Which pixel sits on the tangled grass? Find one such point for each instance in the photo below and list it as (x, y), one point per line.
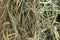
(29, 19)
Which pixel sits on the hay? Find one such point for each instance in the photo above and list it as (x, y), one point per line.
(29, 20)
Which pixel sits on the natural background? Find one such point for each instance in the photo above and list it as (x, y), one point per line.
(29, 19)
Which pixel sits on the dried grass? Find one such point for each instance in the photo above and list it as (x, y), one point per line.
(29, 20)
